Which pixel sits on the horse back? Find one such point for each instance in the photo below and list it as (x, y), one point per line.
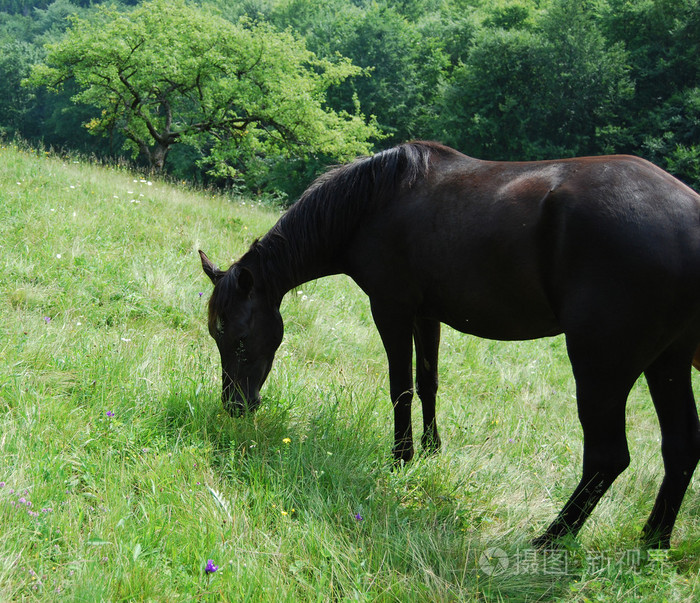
(514, 250)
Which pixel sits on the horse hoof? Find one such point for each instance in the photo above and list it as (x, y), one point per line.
(549, 542)
(542, 542)
(402, 457)
(431, 446)
(654, 541)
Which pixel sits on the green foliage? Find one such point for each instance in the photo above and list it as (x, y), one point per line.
(239, 91)
(510, 14)
(537, 91)
(505, 79)
(16, 59)
(405, 64)
(398, 44)
(663, 42)
(677, 147)
(51, 120)
(22, 6)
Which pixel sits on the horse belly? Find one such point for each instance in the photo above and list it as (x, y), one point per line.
(493, 314)
(488, 280)
(478, 269)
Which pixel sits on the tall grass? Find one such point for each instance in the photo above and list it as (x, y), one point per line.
(121, 475)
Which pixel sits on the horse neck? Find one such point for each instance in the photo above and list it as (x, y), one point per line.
(292, 254)
(310, 240)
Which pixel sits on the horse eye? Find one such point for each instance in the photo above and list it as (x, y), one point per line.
(219, 326)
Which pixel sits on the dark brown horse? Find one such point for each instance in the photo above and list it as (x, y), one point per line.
(603, 249)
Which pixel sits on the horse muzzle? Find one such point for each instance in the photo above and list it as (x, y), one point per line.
(237, 403)
(239, 407)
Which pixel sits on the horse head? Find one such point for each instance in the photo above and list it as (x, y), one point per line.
(247, 328)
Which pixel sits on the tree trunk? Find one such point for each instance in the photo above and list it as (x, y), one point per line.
(157, 155)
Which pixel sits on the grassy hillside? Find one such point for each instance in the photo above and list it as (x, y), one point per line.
(121, 476)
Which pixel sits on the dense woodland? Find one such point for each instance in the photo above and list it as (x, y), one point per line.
(274, 90)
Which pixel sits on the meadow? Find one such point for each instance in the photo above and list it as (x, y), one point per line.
(122, 478)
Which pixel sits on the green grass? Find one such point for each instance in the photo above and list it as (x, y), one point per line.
(100, 311)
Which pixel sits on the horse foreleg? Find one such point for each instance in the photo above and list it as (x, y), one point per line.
(426, 335)
(671, 390)
(396, 333)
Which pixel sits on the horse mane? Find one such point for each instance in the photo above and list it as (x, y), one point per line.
(345, 191)
(334, 205)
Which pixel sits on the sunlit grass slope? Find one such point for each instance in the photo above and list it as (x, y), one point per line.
(121, 476)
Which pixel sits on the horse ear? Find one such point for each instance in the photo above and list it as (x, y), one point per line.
(245, 281)
(210, 268)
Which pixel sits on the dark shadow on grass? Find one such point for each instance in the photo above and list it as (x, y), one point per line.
(403, 528)
(334, 466)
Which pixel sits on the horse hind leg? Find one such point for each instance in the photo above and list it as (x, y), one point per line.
(601, 393)
(671, 391)
(426, 335)
(605, 456)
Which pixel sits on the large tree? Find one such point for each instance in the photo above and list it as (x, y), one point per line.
(167, 73)
(399, 43)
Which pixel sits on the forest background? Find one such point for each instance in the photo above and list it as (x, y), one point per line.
(496, 79)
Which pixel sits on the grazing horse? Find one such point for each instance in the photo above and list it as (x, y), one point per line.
(605, 250)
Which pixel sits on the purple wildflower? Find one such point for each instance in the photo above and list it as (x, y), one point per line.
(211, 568)
(47, 319)
(2, 484)
(358, 517)
(110, 413)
